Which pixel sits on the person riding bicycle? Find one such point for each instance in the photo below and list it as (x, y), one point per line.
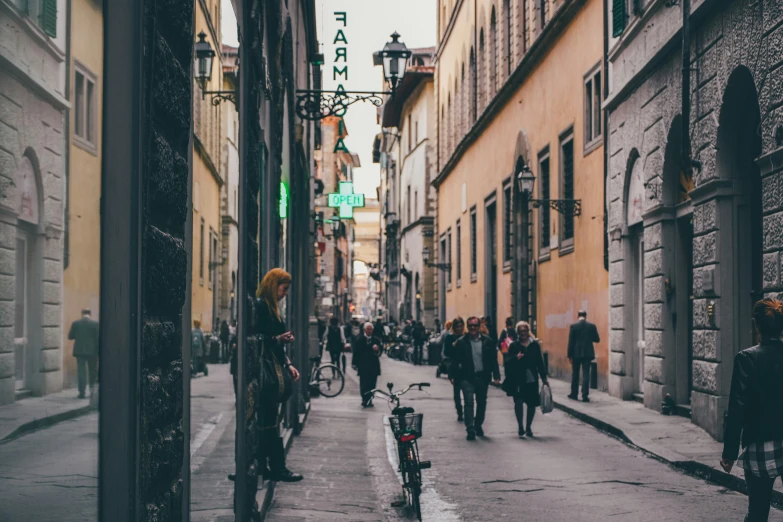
(334, 339)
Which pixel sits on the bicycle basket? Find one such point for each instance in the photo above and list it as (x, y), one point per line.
(408, 424)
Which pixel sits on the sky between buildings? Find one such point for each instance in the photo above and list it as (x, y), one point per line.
(368, 27)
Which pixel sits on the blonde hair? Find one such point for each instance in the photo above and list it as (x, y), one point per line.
(522, 323)
(267, 288)
(448, 326)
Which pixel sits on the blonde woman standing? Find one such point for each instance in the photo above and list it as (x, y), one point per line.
(273, 289)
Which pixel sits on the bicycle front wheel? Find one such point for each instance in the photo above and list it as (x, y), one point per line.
(330, 380)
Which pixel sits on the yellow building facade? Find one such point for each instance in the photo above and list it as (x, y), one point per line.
(519, 83)
(82, 248)
(208, 141)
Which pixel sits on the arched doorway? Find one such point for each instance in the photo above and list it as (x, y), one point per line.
(738, 146)
(634, 269)
(28, 298)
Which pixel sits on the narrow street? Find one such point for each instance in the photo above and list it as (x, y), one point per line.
(568, 470)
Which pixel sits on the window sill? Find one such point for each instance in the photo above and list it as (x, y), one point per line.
(566, 247)
(593, 145)
(544, 254)
(448, 287)
(473, 278)
(459, 283)
(85, 145)
(506, 267)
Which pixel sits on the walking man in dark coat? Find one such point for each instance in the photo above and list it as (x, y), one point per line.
(449, 341)
(84, 334)
(366, 358)
(581, 353)
(475, 363)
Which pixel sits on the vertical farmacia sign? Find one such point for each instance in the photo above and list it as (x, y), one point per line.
(340, 68)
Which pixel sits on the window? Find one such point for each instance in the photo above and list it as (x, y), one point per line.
(410, 134)
(84, 109)
(416, 133)
(508, 224)
(542, 11)
(408, 204)
(42, 12)
(619, 17)
(211, 257)
(567, 192)
(448, 246)
(415, 204)
(473, 253)
(507, 46)
(459, 253)
(592, 109)
(544, 211)
(493, 50)
(201, 255)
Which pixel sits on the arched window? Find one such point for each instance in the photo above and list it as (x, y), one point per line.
(457, 113)
(463, 104)
(444, 21)
(443, 135)
(507, 47)
(472, 82)
(523, 25)
(481, 80)
(493, 55)
(449, 126)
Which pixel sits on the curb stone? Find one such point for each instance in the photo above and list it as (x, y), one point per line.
(45, 422)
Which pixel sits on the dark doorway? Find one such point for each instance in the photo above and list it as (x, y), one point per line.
(491, 268)
(739, 145)
(682, 317)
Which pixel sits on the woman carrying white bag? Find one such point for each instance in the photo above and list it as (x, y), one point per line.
(524, 364)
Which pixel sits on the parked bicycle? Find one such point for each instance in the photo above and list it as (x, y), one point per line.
(406, 426)
(327, 378)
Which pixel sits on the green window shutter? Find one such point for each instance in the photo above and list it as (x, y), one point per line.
(49, 17)
(618, 17)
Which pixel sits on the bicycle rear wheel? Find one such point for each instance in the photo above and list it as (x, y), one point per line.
(330, 380)
(415, 491)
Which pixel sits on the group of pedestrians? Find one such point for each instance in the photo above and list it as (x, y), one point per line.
(474, 361)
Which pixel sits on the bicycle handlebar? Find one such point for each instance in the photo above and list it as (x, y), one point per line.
(396, 394)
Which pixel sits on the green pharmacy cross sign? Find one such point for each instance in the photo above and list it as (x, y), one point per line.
(346, 200)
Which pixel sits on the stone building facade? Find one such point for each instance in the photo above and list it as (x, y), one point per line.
(690, 253)
(33, 104)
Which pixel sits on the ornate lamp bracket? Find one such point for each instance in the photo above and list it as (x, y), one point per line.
(317, 105)
(563, 206)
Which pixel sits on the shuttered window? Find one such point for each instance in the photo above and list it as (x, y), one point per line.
(567, 191)
(49, 17)
(619, 17)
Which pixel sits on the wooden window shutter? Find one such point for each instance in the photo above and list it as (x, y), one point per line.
(618, 17)
(49, 17)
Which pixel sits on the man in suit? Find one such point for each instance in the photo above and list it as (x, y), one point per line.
(475, 363)
(581, 353)
(366, 358)
(84, 334)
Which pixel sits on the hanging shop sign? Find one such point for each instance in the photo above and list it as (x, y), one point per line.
(345, 200)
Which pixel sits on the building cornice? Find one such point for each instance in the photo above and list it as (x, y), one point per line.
(58, 101)
(422, 221)
(449, 28)
(204, 155)
(537, 53)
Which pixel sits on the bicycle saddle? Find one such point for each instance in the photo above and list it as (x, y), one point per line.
(315, 359)
(404, 410)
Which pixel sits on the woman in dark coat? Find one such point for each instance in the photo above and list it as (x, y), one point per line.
(754, 419)
(524, 364)
(269, 324)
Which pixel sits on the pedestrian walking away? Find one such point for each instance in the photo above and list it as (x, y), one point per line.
(273, 289)
(198, 348)
(366, 359)
(581, 353)
(84, 334)
(475, 363)
(225, 335)
(419, 338)
(524, 365)
(334, 339)
(457, 331)
(755, 416)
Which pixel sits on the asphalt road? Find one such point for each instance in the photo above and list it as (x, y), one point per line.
(569, 471)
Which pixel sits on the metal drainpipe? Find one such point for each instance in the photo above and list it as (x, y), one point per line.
(605, 118)
(687, 161)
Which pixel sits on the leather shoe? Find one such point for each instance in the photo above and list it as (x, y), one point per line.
(585, 399)
(286, 476)
(573, 397)
(459, 418)
(479, 431)
(471, 436)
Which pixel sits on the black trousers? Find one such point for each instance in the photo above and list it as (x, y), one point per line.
(367, 383)
(759, 497)
(519, 411)
(418, 351)
(585, 365)
(457, 397)
(270, 442)
(86, 368)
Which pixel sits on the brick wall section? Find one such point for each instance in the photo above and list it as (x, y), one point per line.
(168, 36)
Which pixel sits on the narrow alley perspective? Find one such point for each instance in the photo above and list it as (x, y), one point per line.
(434, 260)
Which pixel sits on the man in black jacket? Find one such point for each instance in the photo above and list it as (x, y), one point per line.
(475, 362)
(581, 353)
(457, 331)
(366, 358)
(84, 334)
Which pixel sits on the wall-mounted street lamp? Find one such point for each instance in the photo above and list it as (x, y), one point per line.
(317, 105)
(205, 55)
(425, 255)
(526, 181)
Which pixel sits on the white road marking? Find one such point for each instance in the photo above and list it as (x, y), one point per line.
(433, 506)
(204, 433)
